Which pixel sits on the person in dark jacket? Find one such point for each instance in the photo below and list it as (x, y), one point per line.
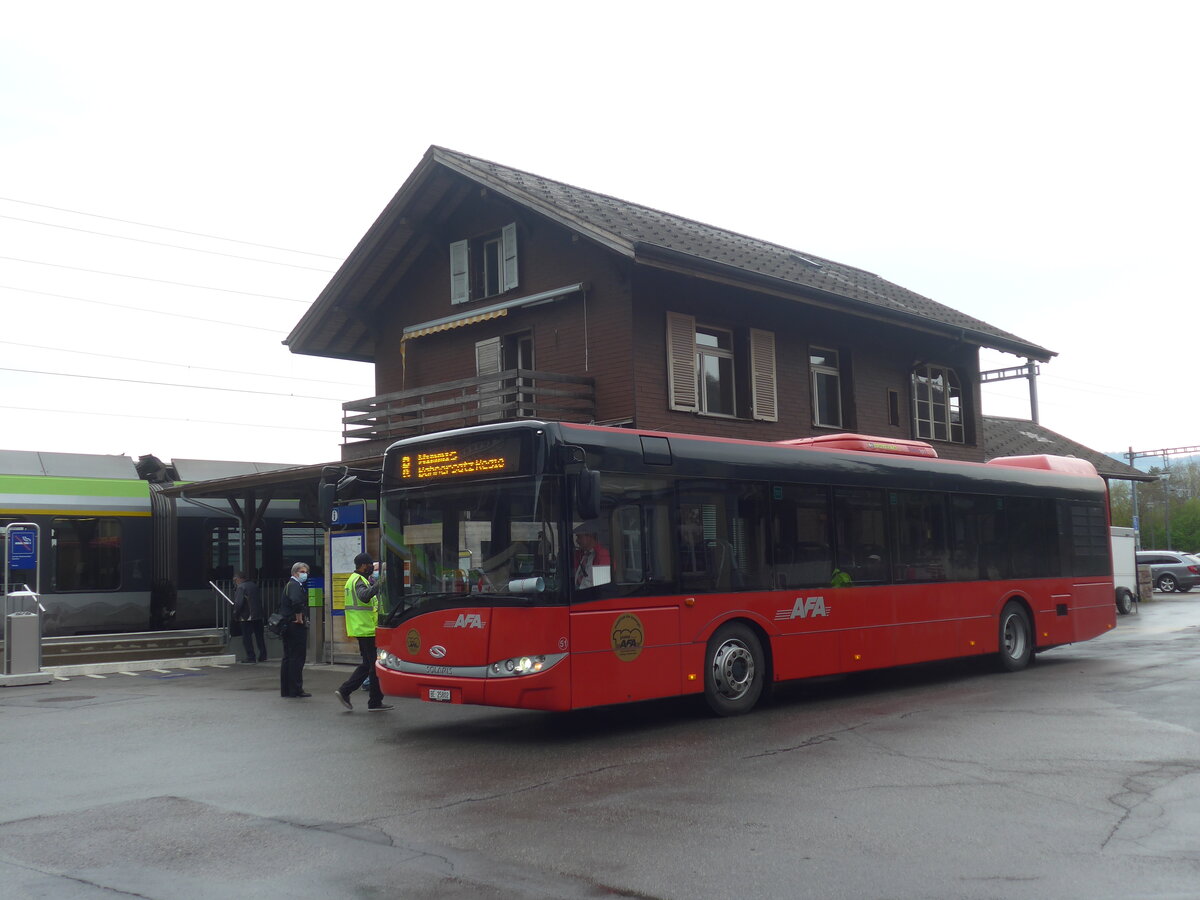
(294, 607)
(247, 607)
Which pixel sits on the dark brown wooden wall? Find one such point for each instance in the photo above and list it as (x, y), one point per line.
(617, 334)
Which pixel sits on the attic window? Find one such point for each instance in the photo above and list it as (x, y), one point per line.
(937, 404)
(484, 266)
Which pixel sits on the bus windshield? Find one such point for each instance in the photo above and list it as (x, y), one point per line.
(491, 539)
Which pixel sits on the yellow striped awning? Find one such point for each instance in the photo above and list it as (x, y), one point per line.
(455, 323)
(489, 312)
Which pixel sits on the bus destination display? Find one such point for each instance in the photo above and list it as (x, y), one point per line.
(478, 458)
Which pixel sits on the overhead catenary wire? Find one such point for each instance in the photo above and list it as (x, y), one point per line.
(123, 237)
(142, 309)
(179, 365)
(158, 418)
(197, 387)
(167, 228)
(202, 287)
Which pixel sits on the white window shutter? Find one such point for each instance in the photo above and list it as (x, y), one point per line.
(489, 360)
(681, 362)
(509, 240)
(762, 376)
(460, 282)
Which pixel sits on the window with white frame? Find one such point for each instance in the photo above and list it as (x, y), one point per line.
(825, 373)
(937, 404)
(484, 266)
(714, 371)
(706, 361)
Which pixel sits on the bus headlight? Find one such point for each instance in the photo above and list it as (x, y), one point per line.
(389, 660)
(523, 665)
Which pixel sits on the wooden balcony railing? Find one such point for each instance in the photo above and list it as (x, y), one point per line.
(368, 425)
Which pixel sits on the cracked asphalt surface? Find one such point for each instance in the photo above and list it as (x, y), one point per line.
(1079, 777)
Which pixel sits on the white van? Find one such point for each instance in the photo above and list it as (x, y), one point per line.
(1124, 556)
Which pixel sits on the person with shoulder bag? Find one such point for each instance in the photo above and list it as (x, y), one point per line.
(293, 606)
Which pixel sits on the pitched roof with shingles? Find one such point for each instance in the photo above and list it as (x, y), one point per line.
(639, 231)
(1021, 437)
(332, 326)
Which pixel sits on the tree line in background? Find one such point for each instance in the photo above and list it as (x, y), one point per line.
(1168, 509)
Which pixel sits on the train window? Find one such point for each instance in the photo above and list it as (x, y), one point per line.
(225, 550)
(86, 554)
(306, 544)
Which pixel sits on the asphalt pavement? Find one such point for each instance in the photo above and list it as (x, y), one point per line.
(1079, 777)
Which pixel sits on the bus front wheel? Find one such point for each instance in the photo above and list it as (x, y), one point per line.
(733, 670)
(1016, 637)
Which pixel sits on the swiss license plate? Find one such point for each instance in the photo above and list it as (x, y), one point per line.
(440, 694)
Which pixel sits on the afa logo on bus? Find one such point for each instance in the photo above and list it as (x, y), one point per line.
(627, 637)
(804, 608)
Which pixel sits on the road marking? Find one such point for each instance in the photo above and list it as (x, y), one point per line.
(90, 675)
(163, 671)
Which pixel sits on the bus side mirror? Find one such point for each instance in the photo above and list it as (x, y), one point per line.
(587, 494)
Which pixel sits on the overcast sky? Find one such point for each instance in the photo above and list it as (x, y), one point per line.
(1032, 164)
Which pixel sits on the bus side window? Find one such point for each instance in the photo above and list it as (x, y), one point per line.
(803, 556)
(722, 536)
(637, 513)
(859, 524)
(630, 556)
(921, 540)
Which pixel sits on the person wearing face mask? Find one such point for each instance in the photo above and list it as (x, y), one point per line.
(294, 607)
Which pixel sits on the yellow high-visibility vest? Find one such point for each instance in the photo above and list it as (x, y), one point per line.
(360, 619)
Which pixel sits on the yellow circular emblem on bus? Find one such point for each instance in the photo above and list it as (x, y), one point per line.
(413, 641)
(627, 637)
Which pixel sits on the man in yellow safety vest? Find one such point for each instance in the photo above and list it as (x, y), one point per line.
(362, 615)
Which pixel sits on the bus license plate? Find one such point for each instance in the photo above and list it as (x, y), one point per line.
(440, 694)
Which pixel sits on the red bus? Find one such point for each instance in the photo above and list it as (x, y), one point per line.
(552, 566)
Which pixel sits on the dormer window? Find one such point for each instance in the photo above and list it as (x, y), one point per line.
(484, 266)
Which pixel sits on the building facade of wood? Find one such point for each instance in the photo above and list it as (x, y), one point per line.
(485, 293)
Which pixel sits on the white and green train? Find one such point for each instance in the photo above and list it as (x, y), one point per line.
(117, 556)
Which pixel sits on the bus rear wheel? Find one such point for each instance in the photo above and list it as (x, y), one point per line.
(733, 670)
(1016, 637)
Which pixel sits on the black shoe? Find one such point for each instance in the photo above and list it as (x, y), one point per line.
(380, 706)
(343, 699)
(262, 659)
(302, 695)
(246, 661)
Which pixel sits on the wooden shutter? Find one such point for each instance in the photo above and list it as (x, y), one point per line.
(460, 282)
(681, 362)
(763, 394)
(508, 238)
(489, 360)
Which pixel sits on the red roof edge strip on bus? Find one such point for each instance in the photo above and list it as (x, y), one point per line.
(1066, 465)
(864, 442)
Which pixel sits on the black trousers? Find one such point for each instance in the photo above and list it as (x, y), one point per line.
(253, 631)
(291, 667)
(363, 671)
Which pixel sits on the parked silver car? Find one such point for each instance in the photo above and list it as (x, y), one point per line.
(1171, 571)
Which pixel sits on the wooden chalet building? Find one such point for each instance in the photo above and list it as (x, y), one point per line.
(484, 293)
